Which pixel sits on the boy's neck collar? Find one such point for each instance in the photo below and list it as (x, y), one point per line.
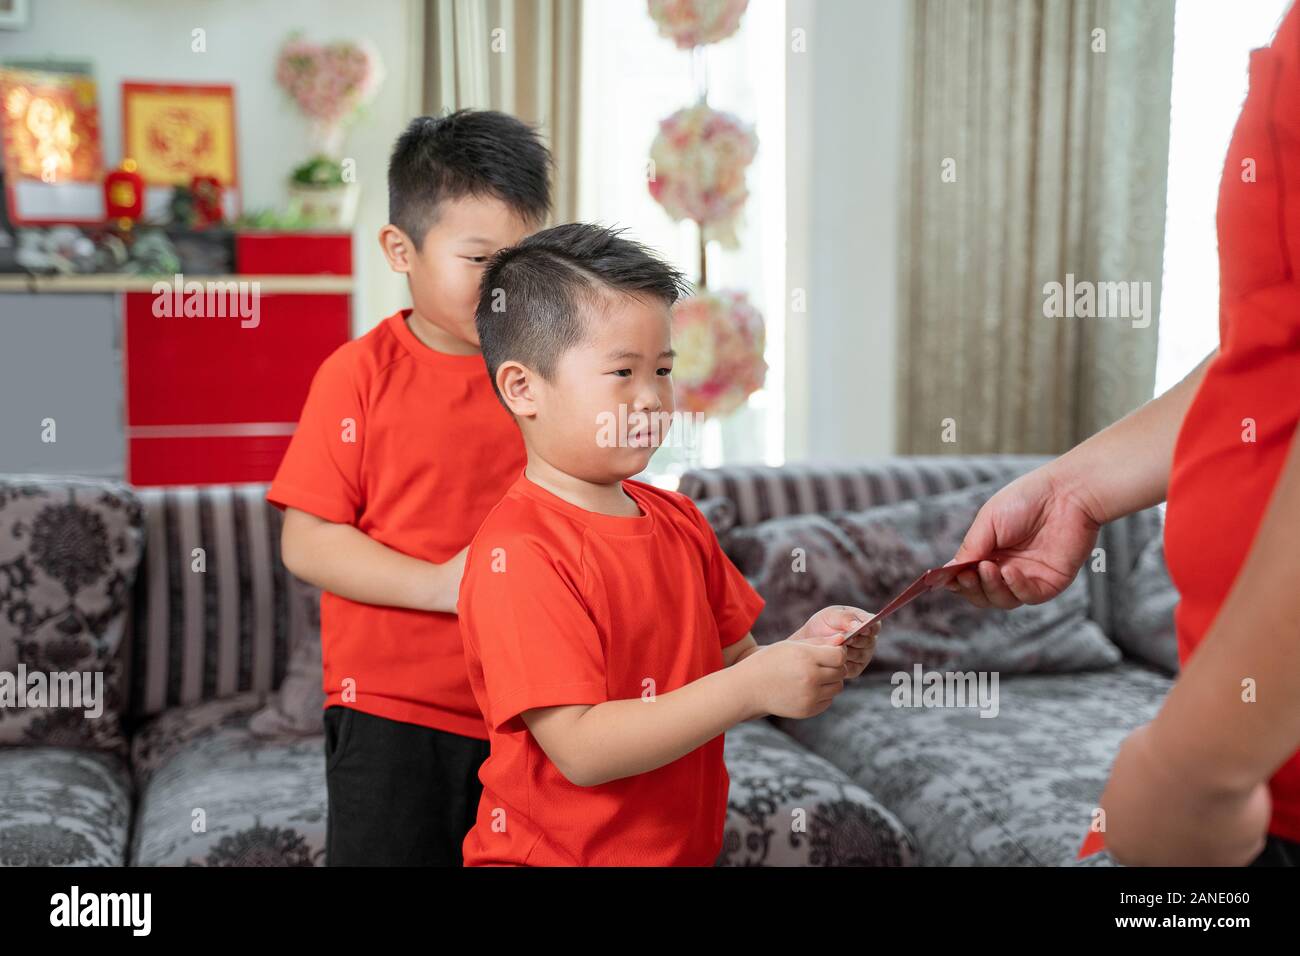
(594, 499)
(469, 361)
(434, 338)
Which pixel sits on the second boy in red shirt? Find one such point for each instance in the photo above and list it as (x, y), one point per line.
(400, 451)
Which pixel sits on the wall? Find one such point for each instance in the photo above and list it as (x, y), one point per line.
(844, 129)
(151, 40)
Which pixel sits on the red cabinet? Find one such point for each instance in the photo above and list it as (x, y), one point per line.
(217, 368)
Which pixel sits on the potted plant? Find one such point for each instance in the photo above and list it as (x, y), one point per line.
(330, 84)
(321, 193)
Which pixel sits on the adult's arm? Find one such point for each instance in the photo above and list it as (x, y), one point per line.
(1042, 526)
(1125, 466)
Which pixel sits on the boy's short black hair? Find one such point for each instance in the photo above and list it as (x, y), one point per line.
(531, 300)
(466, 153)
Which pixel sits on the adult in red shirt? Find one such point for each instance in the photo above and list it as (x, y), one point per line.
(1214, 779)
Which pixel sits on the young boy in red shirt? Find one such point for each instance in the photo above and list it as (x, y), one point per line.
(401, 449)
(607, 635)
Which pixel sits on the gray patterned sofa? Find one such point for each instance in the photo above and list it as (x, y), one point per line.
(1018, 790)
(209, 750)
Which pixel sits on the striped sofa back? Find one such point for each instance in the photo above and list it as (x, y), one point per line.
(202, 631)
(743, 495)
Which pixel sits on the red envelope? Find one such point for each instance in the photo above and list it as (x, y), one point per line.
(931, 580)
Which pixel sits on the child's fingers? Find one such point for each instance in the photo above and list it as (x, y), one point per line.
(844, 620)
(858, 655)
(830, 655)
(867, 636)
(831, 625)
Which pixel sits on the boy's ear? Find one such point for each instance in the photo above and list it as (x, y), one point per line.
(398, 248)
(515, 382)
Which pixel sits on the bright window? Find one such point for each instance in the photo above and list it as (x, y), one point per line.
(1212, 44)
(632, 78)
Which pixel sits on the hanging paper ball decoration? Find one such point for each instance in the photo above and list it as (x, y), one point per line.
(719, 340)
(692, 23)
(699, 159)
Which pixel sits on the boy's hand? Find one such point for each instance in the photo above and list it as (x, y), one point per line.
(832, 624)
(794, 678)
(344, 560)
(444, 583)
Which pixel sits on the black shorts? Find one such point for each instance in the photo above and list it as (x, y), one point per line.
(1278, 852)
(399, 794)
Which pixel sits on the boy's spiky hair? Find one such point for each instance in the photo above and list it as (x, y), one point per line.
(535, 296)
(466, 153)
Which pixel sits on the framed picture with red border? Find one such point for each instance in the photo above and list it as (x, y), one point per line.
(49, 126)
(176, 131)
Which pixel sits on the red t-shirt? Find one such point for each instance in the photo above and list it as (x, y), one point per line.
(1221, 480)
(560, 605)
(411, 446)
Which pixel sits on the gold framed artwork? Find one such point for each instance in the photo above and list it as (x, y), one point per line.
(176, 132)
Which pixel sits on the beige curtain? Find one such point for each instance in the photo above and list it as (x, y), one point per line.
(1058, 137)
(517, 56)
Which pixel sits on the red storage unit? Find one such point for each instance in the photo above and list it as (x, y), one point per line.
(293, 254)
(215, 398)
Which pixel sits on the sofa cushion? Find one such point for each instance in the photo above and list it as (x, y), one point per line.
(762, 492)
(1017, 789)
(789, 807)
(63, 807)
(68, 554)
(1142, 597)
(802, 563)
(720, 513)
(297, 704)
(212, 793)
(212, 613)
(1101, 858)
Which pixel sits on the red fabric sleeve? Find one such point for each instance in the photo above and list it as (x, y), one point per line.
(321, 470)
(537, 644)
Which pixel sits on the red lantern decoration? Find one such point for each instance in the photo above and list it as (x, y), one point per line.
(124, 194)
(207, 194)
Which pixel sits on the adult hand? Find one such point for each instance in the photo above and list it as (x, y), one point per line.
(1039, 529)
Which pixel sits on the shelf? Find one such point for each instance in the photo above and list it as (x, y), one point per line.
(114, 282)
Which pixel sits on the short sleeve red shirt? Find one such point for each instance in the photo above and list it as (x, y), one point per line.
(1238, 430)
(560, 605)
(411, 446)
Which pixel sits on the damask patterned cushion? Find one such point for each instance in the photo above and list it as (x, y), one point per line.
(1102, 858)
(789, 807)
(1142, 595)
(68, 554)
(63, 807)
(258, 802)
(806, 562)
(1017, 789)
(720, 514)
